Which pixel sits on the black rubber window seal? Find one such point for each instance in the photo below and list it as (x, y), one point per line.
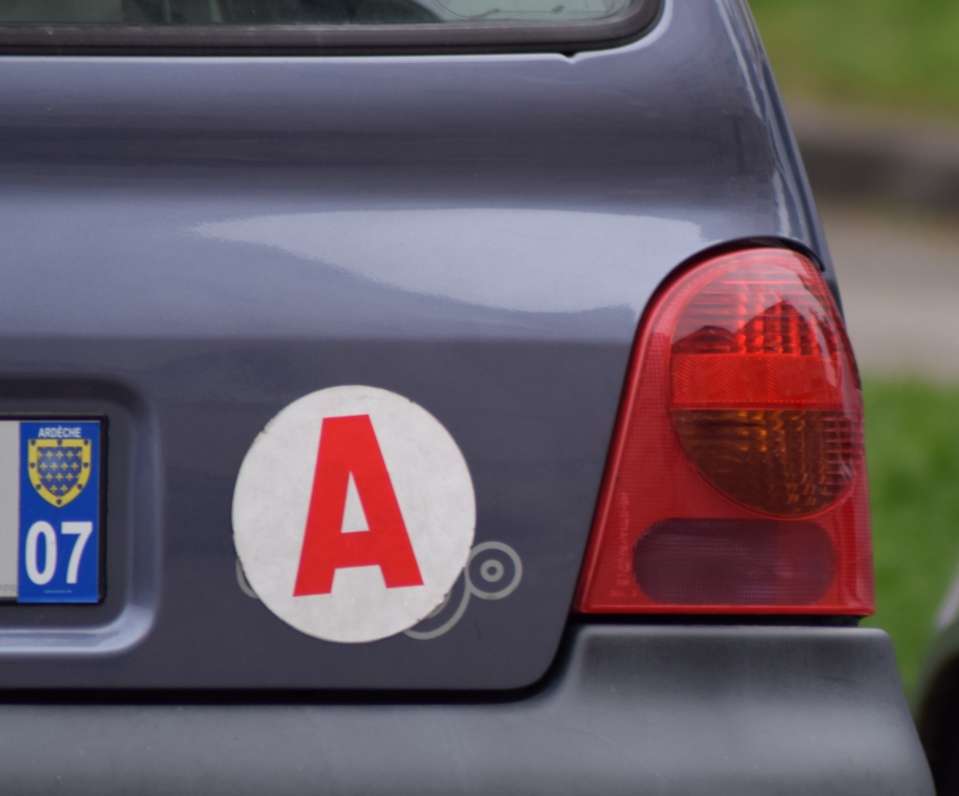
(266, 40)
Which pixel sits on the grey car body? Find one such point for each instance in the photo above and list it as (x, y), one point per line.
(193, 241)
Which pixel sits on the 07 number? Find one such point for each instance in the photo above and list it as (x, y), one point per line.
(43, 533)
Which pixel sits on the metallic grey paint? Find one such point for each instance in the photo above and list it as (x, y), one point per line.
(216, 237)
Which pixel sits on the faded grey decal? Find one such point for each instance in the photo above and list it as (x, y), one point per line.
(494, 571)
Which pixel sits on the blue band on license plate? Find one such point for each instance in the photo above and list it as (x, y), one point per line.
(50, 511)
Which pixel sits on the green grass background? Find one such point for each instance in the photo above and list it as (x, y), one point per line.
(912, 450)
(899, 56)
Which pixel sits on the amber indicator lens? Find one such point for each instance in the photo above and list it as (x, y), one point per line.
(736, 480)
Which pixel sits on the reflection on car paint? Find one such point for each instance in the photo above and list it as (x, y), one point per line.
(490, 257)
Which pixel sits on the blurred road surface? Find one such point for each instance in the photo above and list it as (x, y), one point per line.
(899, 279)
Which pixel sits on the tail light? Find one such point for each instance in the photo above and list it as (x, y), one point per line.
(736, 481)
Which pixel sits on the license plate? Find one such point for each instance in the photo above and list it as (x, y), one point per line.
(50, 536)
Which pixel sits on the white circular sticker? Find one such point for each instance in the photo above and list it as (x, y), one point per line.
(353, 514)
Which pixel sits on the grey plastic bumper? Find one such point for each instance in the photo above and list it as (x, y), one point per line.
(651, 710)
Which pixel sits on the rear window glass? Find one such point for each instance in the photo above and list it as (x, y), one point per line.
(304, 12)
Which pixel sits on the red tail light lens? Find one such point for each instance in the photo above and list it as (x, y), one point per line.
(736, 480)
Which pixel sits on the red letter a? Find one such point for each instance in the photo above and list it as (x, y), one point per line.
(348, 446)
